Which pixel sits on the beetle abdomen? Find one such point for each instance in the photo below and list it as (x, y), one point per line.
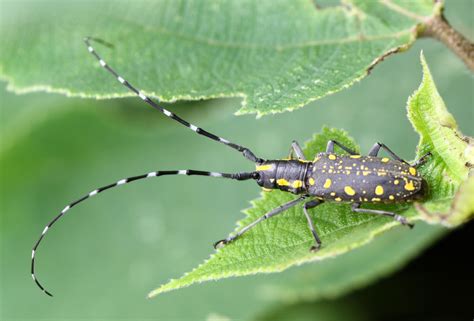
(355, 178)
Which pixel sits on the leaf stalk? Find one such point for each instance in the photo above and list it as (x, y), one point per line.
(439, 28)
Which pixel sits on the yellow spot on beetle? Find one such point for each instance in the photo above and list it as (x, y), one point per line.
(412, 170)
(349, 190)
(267, 189)
(396, 182)
(333, 194)
(391, 197)
(355, 156)
(327, 183)
(283, 182)
(409, 186)
(338, 199)
(297, 184)
(365, 173)
(332, 157)
(264, 167)
(385, 160)
(379, 190)
(375, 199)
(311, 181)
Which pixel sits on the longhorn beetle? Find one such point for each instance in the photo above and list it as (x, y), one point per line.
(351, 178)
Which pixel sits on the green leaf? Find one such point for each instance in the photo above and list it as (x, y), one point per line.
(438, 130)
(332, 278)
(283, 241)
(453, 155)
(204, 49)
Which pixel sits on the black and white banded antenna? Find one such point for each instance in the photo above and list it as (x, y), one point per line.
(245, 151)
(188, 172)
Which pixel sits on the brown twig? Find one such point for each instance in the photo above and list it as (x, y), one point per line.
(439, 28)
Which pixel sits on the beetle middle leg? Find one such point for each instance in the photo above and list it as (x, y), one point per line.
(273, 212)
(306, 207)
(330, 147)
(296, 148)
(356, 208)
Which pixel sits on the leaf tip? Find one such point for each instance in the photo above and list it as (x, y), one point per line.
(155, 292)
(425, 68)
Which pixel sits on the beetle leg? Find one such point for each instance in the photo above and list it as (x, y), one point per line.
(423, 159)
(356, 208)
(330, 147)
(374, 151)
(306, 207)
(296, 148)
(273, 212)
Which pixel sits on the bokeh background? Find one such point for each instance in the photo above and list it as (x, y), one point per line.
(109, 252)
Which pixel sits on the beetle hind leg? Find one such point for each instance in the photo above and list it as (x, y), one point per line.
(356, 208)
(374, 151)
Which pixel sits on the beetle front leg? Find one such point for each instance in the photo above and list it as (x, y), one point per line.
(296, 148)
(423, 159)
(268, 215)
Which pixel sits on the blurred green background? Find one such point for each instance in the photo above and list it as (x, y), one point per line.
(103, 258)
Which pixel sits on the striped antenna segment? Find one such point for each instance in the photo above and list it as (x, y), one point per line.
(188, 172)
(245, 151)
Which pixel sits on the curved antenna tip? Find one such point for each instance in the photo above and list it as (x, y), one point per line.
(98, 40)
(40, 286)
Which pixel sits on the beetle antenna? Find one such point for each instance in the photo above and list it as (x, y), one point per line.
(244, 150)
(188, 172)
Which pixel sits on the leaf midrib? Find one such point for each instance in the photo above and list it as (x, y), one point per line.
(221, 44)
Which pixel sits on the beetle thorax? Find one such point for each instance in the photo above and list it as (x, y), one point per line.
(286, 175)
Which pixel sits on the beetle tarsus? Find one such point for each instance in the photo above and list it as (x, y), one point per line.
(404, 221)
